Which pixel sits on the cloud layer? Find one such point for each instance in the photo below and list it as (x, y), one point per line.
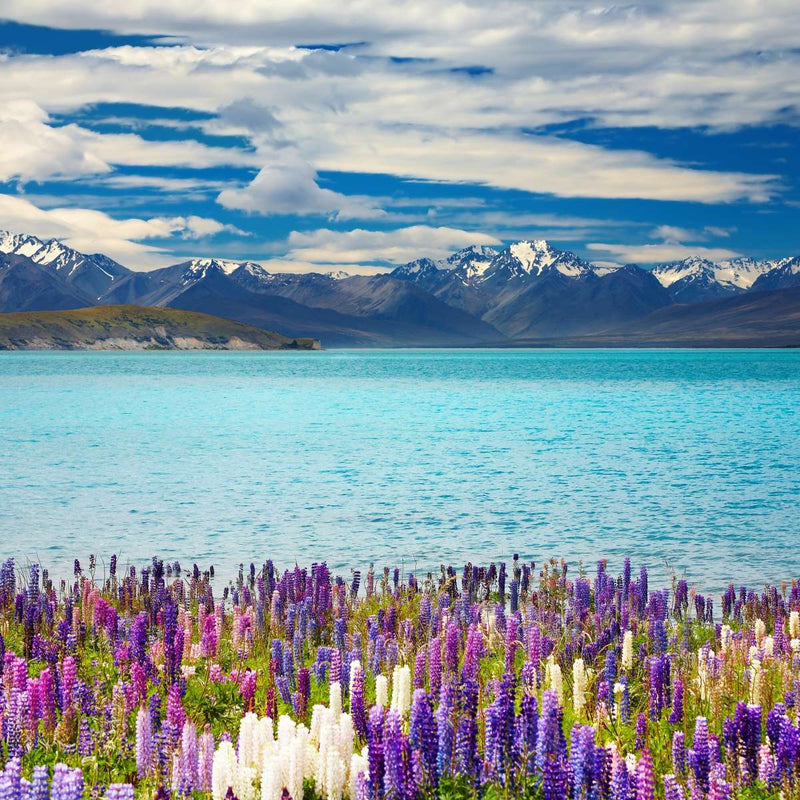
(239, 116)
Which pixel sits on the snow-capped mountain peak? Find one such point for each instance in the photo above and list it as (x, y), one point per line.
(532, 258)
(736, 274)
(91, 273)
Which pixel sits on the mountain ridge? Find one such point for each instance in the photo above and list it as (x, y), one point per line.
(529, 289)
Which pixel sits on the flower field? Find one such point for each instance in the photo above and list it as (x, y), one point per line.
(511, 680)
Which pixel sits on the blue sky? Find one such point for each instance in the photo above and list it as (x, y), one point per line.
(315, 134)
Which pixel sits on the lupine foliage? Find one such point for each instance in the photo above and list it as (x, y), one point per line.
(483, 682)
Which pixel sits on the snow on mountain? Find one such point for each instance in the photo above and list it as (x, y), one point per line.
(784, 275)
(733, 275)
(199, 267)
(742, 272)
(418, 270)
(533, 258)
(471, 262)
(92, 274)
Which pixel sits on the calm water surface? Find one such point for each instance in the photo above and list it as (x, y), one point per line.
(679, 458)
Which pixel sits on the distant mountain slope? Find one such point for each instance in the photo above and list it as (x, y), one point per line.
(136, 328)
(340, 317)
(752, 319)
(89, 275)
(26, 286)
(785, 275)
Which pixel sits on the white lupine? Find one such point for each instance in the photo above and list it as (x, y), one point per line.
(555, 679)
(630, 763)
(244, 783)
(289, 759)
(795, 645)
(627, 650)
(760, 630)
(346, 740)
(316, 721)
(286, 730)
(335, 776)
(335, 699)
(619, 689)
(381, 691)
(794, 624)
(579, 684)
(297, 762)
(249, 751)
(756, 675)
(271, 784)
(265, 737)
(769, 646)
(725, 636)
(223, 770)
(401, 689)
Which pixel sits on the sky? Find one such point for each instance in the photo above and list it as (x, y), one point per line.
(315, 134)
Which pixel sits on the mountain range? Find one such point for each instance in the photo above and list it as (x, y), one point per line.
(527, 291)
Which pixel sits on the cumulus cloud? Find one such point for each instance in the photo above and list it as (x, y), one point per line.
(396, 246)
(93, 231)
(32, 150)
(289, 186)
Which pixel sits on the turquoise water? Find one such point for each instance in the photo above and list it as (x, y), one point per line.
(680, 458)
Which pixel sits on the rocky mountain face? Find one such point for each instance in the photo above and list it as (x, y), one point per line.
(90, 276)
(478, 295)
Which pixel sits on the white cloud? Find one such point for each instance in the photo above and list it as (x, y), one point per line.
(289, 186)
(32, 150)
(93, 231)
(657, 253)
(396, 246)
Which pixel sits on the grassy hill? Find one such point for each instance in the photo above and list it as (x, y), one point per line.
(128, 327)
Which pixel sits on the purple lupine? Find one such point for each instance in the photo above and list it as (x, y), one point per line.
(376, 753)
(444, 729)
(451, 646)
(656, 686)
(67, 783)
(144, 744)
(699, 754)
(676, 715)
(419, 668)
(547, 737)
(678, 752)
(205, 759)
(718, 787)
(393, 755)
(466, 744)
(423, 735)
(39, 789)
(641, 731)
(672, 789)
(581, 759)
(554, 781)
(434, 666)
(620, 781)
(119, 791)
(645, 780)
(11, 779)
(357, 709)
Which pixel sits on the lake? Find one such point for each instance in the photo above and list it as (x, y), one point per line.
(686, 460)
